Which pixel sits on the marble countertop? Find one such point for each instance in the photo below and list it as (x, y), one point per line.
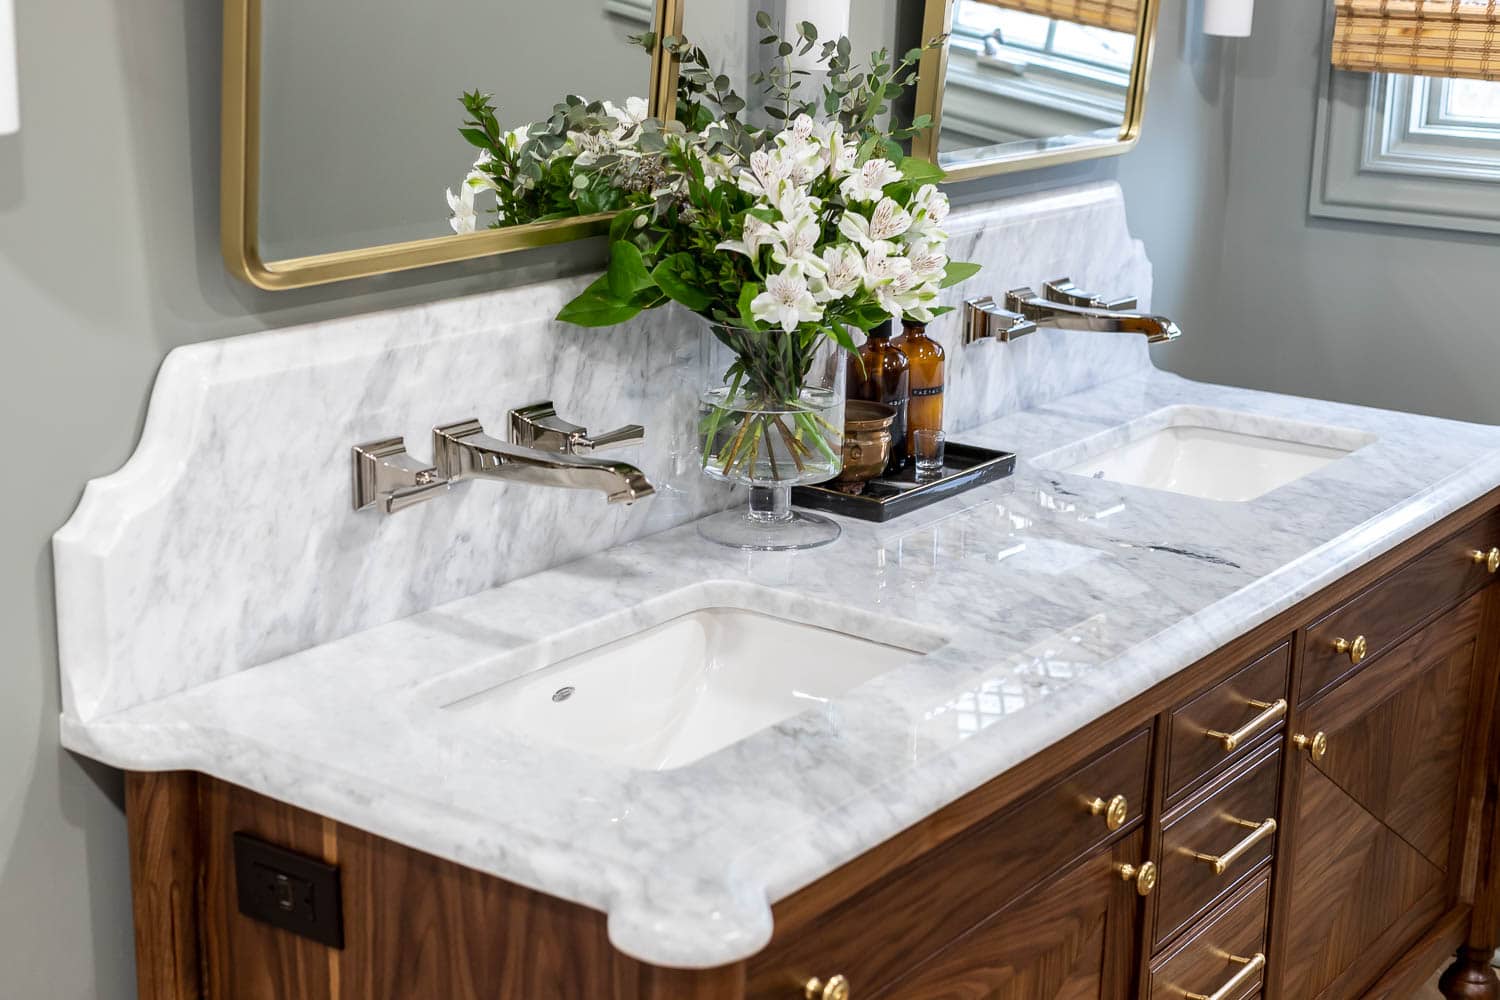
(1059, 598)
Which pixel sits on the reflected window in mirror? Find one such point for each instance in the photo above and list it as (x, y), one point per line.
(1024, 83)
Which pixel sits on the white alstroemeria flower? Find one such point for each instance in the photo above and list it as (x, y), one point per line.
(929, 211)
(480, 180)
(889, 220)
(465, 219)
(919, 302)
(929, 259)
(843, 272)
(630, 118)
(794, 202)
(885, 267)
(754, 236)
(868, 183)
(765, 176)
(840, 153)
(515, 138)
(786, 302)
(799, 131)
(797, 242)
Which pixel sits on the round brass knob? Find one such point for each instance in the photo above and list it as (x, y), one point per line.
(1115, 811)
(1356, 649)
(1316, 745)
(1489, 560)
(1144, 877)
(837, 988)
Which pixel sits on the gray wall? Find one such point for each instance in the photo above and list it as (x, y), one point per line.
(1384, 315)
(109, 258)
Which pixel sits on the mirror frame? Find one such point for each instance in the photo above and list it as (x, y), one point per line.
(239, 178)
(937, 21)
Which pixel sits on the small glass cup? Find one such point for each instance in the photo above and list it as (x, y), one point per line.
(927, 452)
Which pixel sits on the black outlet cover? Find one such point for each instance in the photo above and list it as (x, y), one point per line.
(288, 890)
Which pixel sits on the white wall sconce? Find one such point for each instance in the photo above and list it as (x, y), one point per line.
(1228, 18)
(10, 98)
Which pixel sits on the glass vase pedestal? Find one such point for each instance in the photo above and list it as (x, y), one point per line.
(769, 524)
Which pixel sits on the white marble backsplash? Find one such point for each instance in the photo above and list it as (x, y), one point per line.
(228, 539)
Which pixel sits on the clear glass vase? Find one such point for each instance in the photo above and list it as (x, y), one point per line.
(771, 416)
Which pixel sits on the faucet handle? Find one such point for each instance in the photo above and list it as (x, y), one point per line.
(620, 437)
(984, 318)
(538, 426)
(1065, 292)
(385, 474)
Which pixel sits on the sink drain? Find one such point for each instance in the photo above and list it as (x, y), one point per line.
(562, 694)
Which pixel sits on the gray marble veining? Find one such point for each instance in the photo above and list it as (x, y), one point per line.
(1059, 598)
(227, 539)
(222, 610)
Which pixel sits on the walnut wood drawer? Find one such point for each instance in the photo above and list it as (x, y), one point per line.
(1231, 821)
(882, 932)
(1436, 580)
(1220, 950)
(1224, 722)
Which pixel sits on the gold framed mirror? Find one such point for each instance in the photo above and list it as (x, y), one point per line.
(1022, 84)
(310, 184)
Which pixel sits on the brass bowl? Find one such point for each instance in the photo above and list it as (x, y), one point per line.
(867, 440)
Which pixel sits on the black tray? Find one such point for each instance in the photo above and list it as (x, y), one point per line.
(965, 466)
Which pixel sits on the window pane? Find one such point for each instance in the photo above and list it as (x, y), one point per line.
(1095, 45)
(1473, 100)
(1015, 27)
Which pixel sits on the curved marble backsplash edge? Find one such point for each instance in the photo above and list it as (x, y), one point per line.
(227, 539)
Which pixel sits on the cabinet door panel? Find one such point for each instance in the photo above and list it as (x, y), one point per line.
(1372, 837)
(1072, 938)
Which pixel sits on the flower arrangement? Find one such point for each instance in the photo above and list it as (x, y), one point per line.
(783, 238)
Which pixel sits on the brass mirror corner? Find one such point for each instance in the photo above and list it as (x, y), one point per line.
(1023, 84)
(257, 96)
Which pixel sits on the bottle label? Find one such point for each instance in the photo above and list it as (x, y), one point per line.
(935, 390)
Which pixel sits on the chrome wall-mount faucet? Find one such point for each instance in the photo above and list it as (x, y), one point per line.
(544, 450)
(1064, 305)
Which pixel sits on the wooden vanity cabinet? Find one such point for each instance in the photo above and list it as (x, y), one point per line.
(1307, 814)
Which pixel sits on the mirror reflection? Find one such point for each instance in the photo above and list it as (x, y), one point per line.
(364, 95)
(1034, 76)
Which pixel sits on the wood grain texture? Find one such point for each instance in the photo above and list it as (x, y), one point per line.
(1390, 610)
(1225, 707)
(1206, 824)
(1372, 856)
(1201, 962)
(161, 812)
(956, 906)
(1071, 938)
(874, 937)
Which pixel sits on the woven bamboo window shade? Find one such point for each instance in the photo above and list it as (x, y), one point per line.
(1116, 15)
(1421, 37)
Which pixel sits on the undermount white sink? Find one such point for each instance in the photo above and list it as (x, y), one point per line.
(676, 692)
(1200, 452)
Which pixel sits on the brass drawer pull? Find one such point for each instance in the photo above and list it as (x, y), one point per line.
(1115, 811)
(1356, 649)
(1316, 745)
(1489, 560)
(1272, 710)
(1221, 863)
(837, 988)
(1144, 876)
(1249, 969)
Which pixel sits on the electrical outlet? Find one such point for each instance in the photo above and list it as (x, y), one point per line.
(289, 890)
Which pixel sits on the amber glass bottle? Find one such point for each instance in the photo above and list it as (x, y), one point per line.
(884, 377)
(925, 412)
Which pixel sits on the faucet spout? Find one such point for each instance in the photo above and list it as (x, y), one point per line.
(1157, 329)
(1065, 306)
(464, 451)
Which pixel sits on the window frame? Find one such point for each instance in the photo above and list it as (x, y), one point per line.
(1386, 151)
